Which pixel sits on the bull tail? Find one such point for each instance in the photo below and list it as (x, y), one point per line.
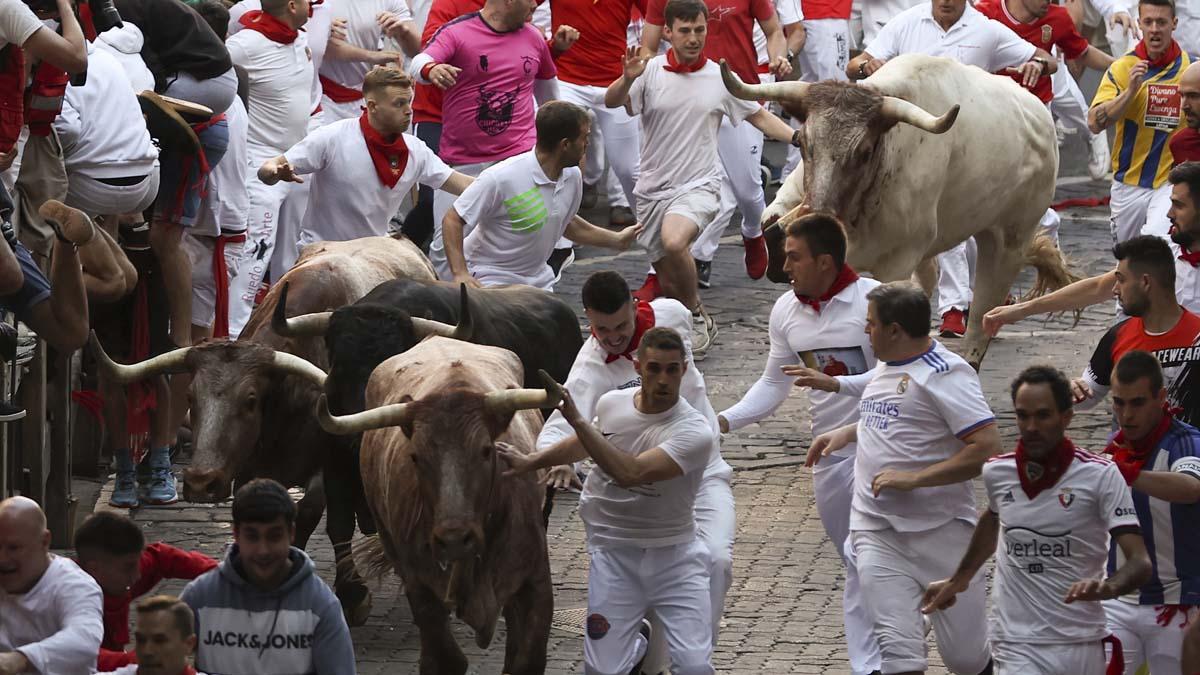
(1052, 266)
(369, 558)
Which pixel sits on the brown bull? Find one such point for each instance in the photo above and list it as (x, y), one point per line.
(251, 406)
(464, 537)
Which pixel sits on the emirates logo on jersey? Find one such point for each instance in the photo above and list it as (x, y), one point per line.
(1065, 497)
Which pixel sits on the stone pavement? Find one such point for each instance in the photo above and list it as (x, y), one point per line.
(783, 614)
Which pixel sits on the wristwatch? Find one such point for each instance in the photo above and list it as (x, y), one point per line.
(1044, 62)
(862, 70)
(796, 138)
(791, 55)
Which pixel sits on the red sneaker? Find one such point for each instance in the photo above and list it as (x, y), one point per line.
(756, 256)
(953, 325)
(649, 290)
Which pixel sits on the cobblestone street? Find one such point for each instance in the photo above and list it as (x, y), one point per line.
(783, 613)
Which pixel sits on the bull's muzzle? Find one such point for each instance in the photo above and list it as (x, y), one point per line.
(456, 540)
(201, 485)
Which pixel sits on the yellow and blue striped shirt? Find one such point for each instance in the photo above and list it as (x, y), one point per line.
(1140, 153)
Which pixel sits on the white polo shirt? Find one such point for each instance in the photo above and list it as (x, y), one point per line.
(913, 414)
(1049, 542)
(280, 77)
(592, 376)
(973, 40)
(832, 341)
(515, 215)
(347, 199)
(654, 514)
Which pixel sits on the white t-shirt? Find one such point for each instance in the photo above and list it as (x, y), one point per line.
(592, 376)
(280, 77)
(912, 415)
(316, 31)
(788, 12)
(362, 30)
(17, 22)
(655, 514)
(226, 204)
(973, 40)
(516, 214)
(347, 200)
(680, 116)
(832, 341)
(1048, 543)
(58, 624)
(1187, 281)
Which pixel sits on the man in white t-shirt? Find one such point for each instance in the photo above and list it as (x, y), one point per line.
(956, 30)
(517, 210)
(651, 449)
(368, 25)
(1054, 506)
(924, 431)
(816, 333)
(363, 168)
(51, 619)
(681, 101)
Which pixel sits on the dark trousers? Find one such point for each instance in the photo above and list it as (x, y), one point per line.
(418, 224)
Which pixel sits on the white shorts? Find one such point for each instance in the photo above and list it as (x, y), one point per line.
(699, 205)
(97, 198)
(894, 568)
(1143, 640)
(204, 291)
(1079, 658)
(625, 583)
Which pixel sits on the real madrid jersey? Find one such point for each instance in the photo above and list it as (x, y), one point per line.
(1049, 542)
(913, 414)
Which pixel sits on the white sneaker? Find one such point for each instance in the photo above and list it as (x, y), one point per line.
(704, 331)
(1099, 159)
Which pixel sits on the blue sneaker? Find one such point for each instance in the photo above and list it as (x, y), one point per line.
(125, 489)
(160, 489)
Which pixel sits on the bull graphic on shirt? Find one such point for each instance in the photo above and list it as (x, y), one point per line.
(495, 110)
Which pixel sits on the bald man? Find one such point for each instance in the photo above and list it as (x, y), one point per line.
(50, 610)
(1185, 144)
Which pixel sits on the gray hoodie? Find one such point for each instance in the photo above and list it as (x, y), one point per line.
(295, 629)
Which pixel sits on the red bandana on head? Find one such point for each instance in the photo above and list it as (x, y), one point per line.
(1038, 476)
(674, 66)
(389, 158)
(271, 27)
(1163, 61)
(643, 321)
(1130, 457)
(845, 277)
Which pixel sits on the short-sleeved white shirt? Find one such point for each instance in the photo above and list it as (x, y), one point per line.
(788, 13)
(516, 214)
(362, 30)
(347, 200)
(1187, 281)
(655, 514)
(832, 341)
(973, 40)
(680, 115)
(1048, 543)
(913, 414)
(225, 206)
(17, 23)
(280, 79)
(316, 30)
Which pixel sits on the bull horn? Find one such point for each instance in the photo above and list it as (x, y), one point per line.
(391, 415)
(464, 329)
(899, 110)
(294, 365)
(305, 325)
(512, 400)
(791, 92)
(169, 363)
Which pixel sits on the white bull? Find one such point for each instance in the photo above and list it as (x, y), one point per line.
(910, 185)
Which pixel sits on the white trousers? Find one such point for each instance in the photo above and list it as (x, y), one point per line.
(1080, 658)
(1143, 641)
(1138, 210)
(624, 583)
(442, 201)
(200, 250)
(615, 138)
(740, 150)
(1068, 104)
(824, 57)
(833, 487)
(895, 568)
(291, 216)
(265, 201)
(954, 279)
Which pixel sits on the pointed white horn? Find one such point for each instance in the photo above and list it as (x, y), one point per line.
(899, 110)
(375, 418)
(169, 363)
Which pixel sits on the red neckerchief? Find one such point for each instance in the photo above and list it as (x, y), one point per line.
(1191, 257)
(188, 670)
(389, 158)
(1163, 61)
(1131, 456)
(1047, 473)
(643, 321)
(274, 29)
(845, 277)
(674, 66)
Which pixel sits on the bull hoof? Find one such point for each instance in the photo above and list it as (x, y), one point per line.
(356, 603)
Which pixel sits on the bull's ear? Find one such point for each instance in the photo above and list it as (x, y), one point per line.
(497, 423)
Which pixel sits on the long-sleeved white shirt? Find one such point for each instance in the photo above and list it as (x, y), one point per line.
(58, 624)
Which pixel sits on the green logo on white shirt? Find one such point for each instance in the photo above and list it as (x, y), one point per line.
(527, 211)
